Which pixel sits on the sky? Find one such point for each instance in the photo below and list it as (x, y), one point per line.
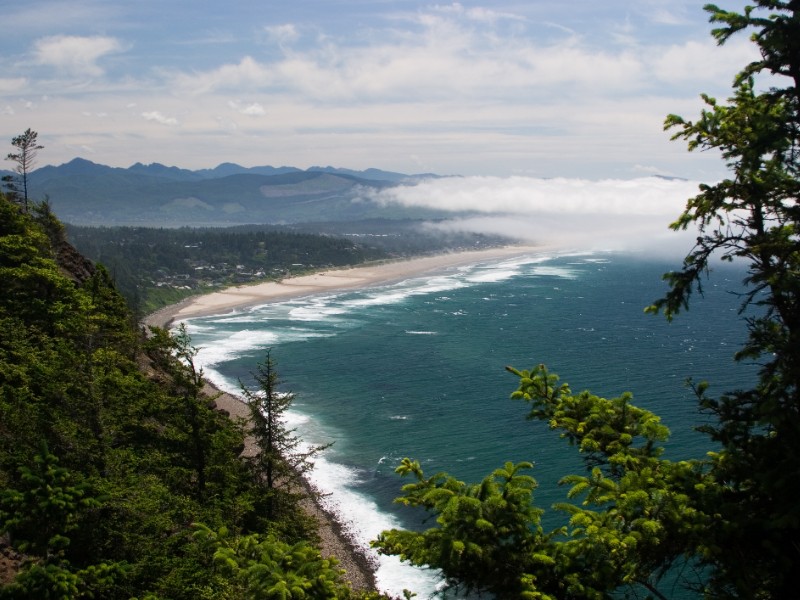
(503, 88)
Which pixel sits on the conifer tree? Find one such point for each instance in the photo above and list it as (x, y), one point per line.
(25, 158)
(753, 217)
(732, 517)
(38, 515)
(282, 459)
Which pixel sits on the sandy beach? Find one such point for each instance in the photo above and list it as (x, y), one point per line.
(334, 280)
(334, 541)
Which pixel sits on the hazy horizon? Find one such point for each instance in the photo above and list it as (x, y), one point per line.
(498, 89)
(602, 214)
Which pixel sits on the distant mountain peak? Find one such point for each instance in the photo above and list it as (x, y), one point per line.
(159, 170)
(80, 161)
(371, 173)
(84, 163)
(83, 192)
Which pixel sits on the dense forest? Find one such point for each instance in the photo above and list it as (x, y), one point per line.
(153, 267)
(118, 478)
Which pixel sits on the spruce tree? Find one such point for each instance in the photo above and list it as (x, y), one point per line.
(282, 459)
(25, 158)
(753, 217)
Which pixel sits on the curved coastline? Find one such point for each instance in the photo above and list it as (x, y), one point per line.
(331, 280)
(334, 540)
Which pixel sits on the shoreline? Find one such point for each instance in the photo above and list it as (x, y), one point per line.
(332, 280)
(334, 539)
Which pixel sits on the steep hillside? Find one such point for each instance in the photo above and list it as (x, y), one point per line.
(118, 478)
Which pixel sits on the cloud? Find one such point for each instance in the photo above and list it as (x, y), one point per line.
(452, 51)
(690, 62)
(667, 14)
(13, 84)
(477, 13)
(523, 195)
(247, 74)
(537, 88)
(253, 109)
(157, 117)
(283, 34)
(610, 213)
(440, 62)
(75, 54)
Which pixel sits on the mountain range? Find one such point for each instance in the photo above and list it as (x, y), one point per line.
(82, 192)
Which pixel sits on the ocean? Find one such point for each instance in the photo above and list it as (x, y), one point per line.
(416, 369)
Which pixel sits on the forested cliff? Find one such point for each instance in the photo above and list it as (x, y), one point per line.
(118, 478)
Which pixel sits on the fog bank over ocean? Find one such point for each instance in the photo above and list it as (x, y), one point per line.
(607, 214)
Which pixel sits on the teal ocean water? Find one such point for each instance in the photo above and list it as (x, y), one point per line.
(416, 369)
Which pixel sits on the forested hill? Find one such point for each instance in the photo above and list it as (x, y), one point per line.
(155, 267)
(86, 193)
(118, 478)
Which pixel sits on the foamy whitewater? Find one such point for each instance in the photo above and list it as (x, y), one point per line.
(415, 369)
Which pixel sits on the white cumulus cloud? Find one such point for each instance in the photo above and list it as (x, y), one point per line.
(248, 73)
(697, 62)
(452, 51)
(75, 54)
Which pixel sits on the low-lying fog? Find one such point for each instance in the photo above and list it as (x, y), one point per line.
(611, 214)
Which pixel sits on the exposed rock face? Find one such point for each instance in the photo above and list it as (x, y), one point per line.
(73, 264)
(10, 562)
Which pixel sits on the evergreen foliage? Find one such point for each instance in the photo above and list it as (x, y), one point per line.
(111, 456)
(281, 460)
(37, 518)
(256, 567)
(28, 147)
(628, 530)
(118, 479)
(732, 517)
(753, 216)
